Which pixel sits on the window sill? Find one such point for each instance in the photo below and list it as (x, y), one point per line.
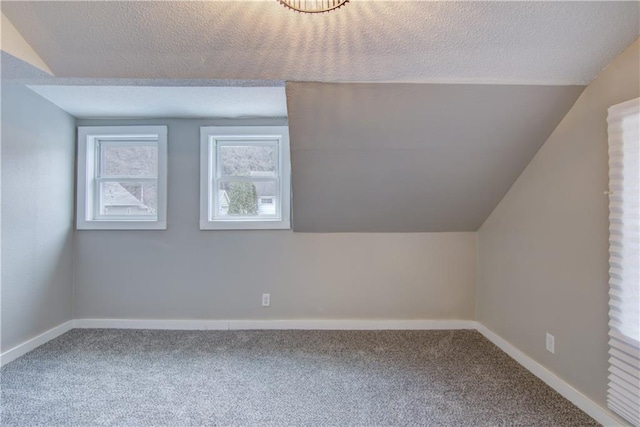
(121, 225)
(245, 225)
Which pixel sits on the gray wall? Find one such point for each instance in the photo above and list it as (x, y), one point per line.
(38, 149)
(543, 253)
(185, 273)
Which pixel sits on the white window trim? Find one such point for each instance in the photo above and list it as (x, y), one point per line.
(87, 139)
(208, 136)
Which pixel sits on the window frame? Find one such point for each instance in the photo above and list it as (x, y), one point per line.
(211, 139)
(90, 141)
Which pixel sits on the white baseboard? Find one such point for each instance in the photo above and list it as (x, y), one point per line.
(325, 324)
(594, 410)
(35, 342)
(351, 324)
(185, 325)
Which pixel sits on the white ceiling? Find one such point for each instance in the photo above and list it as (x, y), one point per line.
(519, 42)
(178, 102)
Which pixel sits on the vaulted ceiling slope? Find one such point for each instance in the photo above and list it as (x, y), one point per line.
(539, 42)
(411, 158)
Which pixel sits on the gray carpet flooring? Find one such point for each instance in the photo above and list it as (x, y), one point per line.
(107, 377)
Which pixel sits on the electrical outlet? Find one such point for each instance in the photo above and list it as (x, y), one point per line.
(551, 343)
(266, 300)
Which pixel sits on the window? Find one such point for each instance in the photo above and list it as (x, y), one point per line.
(122, 177)
(245, 177)
(624, 260)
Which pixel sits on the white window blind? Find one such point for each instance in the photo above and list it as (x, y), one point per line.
(624, 260)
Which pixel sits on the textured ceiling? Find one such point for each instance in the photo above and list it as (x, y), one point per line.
(407, 157)
(543, 42)
(177, 102)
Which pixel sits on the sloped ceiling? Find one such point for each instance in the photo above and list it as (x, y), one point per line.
(12, 42)
(520, 42)
(406, 157)
(453, 99)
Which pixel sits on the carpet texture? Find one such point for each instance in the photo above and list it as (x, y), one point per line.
(109, 377)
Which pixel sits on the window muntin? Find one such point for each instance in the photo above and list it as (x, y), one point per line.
(122, 177)
(242, 166)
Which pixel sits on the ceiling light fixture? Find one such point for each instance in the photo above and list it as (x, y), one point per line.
(313, 6)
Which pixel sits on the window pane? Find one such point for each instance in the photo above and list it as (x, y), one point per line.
(628, 222)
(251, 160)
(128, 198)
(256, 199)
(129, 160)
